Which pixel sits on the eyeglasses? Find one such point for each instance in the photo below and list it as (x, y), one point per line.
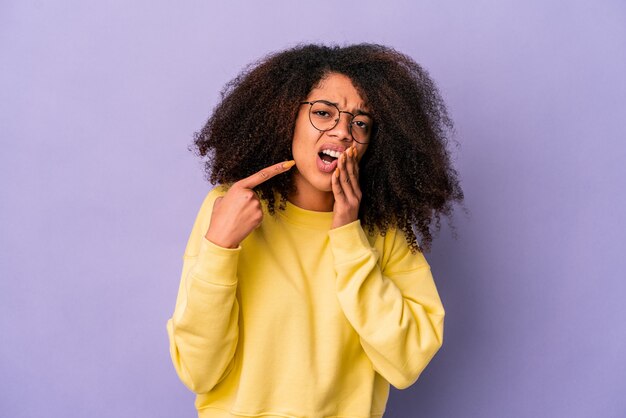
(325, 115)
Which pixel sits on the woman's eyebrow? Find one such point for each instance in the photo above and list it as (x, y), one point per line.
(358, 111)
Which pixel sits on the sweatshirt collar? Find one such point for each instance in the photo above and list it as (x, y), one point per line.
(307, 218)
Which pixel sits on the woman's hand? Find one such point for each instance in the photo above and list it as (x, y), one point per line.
(239, 211)
(346, 189)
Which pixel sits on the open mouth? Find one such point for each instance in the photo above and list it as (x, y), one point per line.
(328, 156)
(327, 160)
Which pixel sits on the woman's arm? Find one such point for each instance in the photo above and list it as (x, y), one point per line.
(203, 330)
(396, 309)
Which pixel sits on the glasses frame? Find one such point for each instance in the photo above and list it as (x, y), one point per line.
(337, 120)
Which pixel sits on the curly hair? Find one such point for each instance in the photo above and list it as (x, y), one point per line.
(406, 176)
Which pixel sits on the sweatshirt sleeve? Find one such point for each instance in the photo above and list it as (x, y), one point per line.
(203, 331)
(392, 303)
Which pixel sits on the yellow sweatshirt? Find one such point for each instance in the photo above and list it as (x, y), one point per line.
(302, 320)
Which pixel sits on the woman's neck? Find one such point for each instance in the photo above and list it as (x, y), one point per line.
(315, 200)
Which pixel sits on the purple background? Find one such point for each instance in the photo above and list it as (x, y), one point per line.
(99, 101)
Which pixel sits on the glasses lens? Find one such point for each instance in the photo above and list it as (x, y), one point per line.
(324, 116)
(362, 128)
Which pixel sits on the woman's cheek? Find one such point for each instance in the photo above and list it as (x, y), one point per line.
(360, 152)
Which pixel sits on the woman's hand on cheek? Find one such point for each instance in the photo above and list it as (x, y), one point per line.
(346, 189)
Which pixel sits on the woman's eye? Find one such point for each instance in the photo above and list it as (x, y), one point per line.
(361, 125)
(322, 113)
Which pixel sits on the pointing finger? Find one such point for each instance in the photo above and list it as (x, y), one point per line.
(265, 174)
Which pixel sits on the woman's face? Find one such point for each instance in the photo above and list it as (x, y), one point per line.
(314, 169)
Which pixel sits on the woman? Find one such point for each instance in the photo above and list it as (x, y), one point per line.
(304, 292)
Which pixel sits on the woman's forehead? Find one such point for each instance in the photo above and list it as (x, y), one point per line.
(338, 89)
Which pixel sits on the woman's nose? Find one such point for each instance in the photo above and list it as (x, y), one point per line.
(342, 129)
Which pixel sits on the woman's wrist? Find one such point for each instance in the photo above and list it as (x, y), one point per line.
(220, 241)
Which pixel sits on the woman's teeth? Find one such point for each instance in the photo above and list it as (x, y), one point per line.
(334, 154)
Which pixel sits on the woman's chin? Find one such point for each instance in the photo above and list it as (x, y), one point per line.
(324, 184)
(321, 187)
(318, 183)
